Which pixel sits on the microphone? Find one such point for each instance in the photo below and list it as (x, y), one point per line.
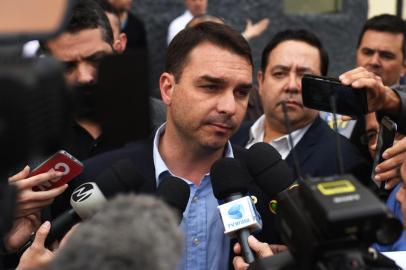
(269, 170)
(175, 192)
(86, 200)
(230, 184)
(121, 177)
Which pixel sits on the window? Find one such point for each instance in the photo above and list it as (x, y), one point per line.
(312, 6)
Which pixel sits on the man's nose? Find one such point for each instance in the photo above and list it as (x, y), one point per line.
(86, 74)
(226, 103)
(374, 60)
(294, 83)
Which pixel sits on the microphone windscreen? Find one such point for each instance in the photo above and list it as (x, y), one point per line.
(122, 177)
(229, 176)
(270, 172)
(175, 192)
(260, 157)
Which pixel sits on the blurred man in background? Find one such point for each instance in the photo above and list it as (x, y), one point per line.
(198, 8)
(120, 38)
(131, 25)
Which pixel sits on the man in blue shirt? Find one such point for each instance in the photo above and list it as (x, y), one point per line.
(397, 204)
(205, 87)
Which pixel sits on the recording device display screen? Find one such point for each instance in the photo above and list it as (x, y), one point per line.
(317, 92)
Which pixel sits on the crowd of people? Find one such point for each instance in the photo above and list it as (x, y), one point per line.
(206, 88)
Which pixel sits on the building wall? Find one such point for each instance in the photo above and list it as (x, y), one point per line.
(338, 32)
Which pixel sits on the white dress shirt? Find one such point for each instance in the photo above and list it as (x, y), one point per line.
(178, 25)
(281, 144)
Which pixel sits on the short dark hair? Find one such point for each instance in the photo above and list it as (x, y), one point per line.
(87, 14)
(218, 34)
(385, 23)
(297, 35)
(204, 18)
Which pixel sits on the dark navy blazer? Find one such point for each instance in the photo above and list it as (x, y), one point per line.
(317, 152)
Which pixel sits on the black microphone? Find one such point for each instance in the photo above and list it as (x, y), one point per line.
(175, 192)
(85, 200)
(121, 177)
(230, 184)
(272, 174)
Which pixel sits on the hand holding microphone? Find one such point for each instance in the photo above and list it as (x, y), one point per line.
(89, 197)
(261, 249)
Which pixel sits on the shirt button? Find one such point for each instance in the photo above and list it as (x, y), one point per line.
(196, 242)
(195, 199)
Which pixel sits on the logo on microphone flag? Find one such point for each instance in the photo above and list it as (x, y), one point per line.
(239, 214)
(236, 211)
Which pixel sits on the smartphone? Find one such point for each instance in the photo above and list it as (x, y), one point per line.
(386, 136)
(318, 90)
(61, 161)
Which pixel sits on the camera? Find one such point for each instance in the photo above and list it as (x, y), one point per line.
(329, 223)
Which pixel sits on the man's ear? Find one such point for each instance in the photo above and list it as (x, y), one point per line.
(167, 85)
(260, 82)
(403, 68)
(121, 43)
(123, 39)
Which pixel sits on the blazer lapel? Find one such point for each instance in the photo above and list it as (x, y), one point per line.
(305, 148)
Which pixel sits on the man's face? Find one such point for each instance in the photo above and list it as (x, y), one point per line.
(81, 53)
(196, 7)
(381, 53)
(372, 129)
(208, 102)
(287, 63)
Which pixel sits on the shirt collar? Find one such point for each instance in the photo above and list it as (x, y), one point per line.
(160, 166)
(257, 132)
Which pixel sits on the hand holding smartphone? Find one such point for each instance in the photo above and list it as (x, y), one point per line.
(61, 161)
(386, 137)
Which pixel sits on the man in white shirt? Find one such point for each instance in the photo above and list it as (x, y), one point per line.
(193, 8)
(285, 59)
(197, 9)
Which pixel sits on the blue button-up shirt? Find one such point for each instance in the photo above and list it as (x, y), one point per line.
(206, 245)
(395, 207)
